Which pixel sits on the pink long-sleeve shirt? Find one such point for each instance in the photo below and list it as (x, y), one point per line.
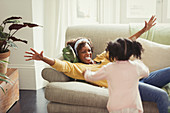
(122, 78)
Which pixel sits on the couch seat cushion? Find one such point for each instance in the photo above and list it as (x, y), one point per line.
(77, 93)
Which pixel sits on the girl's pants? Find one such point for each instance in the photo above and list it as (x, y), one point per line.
(150, 88)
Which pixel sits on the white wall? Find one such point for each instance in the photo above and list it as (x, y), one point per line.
(38, 34)
(31, 11)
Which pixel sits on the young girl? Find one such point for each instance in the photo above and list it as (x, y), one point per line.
(122, 76)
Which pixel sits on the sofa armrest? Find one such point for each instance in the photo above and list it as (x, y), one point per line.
(52, 75)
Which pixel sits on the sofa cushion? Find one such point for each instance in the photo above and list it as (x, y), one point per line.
(77, 93)
(54, 107)
(155, 56)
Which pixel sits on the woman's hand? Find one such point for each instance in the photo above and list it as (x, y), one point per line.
(150, 23)
(34, 55)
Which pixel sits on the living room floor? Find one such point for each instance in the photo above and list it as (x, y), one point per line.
(30, 101)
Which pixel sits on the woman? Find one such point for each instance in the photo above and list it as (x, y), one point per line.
(149, 87)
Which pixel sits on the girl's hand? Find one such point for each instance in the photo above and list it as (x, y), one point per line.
(84, 72)
(33, 55)
(150, 23)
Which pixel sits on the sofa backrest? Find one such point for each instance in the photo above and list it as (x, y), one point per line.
(99, 34)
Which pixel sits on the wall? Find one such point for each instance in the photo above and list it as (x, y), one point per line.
(31, 11)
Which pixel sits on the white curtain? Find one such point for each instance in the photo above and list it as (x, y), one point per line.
(56, 21)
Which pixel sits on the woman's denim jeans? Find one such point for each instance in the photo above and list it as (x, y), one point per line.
(150, 88)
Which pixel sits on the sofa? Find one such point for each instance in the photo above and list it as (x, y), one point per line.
(67, 95)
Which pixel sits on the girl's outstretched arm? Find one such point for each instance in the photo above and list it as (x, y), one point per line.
(34, 55)
(148, 25)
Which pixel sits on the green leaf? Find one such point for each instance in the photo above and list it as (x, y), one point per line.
(3, 61)
(2, 89)
(4, 35)
(3, 75)
(1, 28)
(7, 81)
(12, 21)
(11, 44)
(1, 79)
(11, 18)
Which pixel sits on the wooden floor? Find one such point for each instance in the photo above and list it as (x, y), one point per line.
(31, 101)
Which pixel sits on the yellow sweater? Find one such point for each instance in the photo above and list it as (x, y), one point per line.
(75, 70)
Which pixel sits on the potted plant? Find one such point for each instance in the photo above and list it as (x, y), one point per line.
(7, 38)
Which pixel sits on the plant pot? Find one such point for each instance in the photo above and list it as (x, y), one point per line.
(4, 66)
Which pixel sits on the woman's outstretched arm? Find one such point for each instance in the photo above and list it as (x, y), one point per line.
(148, 25)
(34, 55)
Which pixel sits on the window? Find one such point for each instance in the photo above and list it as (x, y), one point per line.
(119, 11)
(133, 11)
(140, 8)
(95, 11)
(166, 11)
(85, 12)
(137, 10)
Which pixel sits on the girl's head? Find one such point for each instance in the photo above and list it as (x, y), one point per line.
(83, 48)
(123, 49)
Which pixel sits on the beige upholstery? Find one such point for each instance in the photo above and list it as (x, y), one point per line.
(66, 108)
(49, 75)
(156, 56)
(68, 96)
(77, 93)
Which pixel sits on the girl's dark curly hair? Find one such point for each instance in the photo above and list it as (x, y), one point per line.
(123, 49)
(82, 44)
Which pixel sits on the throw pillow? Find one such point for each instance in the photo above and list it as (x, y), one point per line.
(156, 56)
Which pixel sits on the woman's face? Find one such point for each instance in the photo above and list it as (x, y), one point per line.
(85, 54)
